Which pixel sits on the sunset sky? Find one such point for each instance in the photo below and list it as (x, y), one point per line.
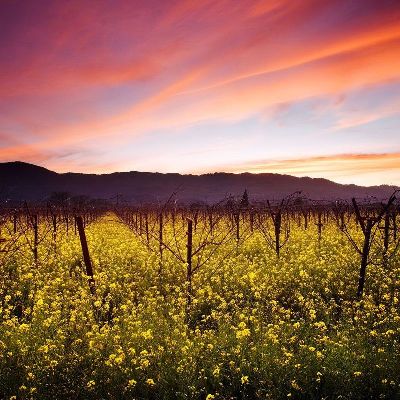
(307, 88)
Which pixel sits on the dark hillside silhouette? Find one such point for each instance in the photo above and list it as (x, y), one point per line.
(22, 181)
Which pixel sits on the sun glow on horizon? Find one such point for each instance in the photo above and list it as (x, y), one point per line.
(360, 169)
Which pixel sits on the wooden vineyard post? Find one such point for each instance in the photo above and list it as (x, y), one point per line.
(67, 223)
(15, 220)
(2, 240)
(161, 247)
(342, 223)
(160, 234)
(386, 230)
(35, 237)
(85, 252)
(54, 220)
(237, 224)
(305, 214)
(189, 247)
(147, 229)
(319, 225)
(196, 217)
(364, 256)
(277, 230)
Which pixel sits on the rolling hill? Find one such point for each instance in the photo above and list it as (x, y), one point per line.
(23, 181)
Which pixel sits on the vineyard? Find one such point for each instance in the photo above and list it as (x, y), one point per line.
(283, 299)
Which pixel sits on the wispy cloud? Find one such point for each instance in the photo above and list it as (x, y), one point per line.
(75, 74)
(360, 117)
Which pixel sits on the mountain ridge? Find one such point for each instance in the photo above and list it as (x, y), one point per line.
(23, 181)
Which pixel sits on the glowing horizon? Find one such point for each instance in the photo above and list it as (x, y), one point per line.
(305, 88)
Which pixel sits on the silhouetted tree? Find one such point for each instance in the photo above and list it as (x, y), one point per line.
(244, 202)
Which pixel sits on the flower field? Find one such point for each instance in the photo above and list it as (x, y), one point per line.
(257, 326)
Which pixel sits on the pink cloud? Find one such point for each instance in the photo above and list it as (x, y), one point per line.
(195, 60)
